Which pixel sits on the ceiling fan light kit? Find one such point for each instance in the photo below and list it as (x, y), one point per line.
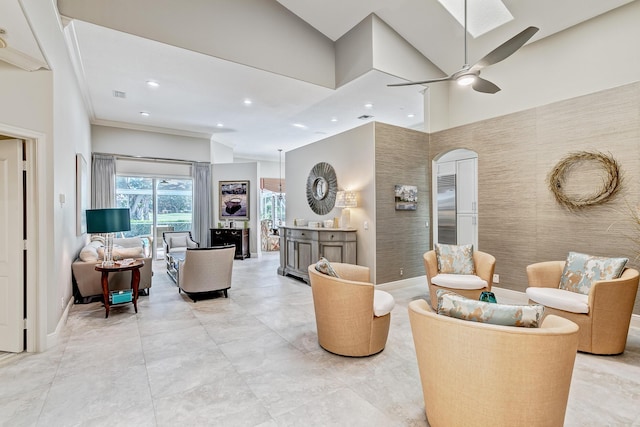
(466, 79)
(470, 75)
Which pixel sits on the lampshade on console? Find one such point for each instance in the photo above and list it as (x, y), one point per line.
(108, 222)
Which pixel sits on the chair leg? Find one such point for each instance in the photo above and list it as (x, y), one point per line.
(225, 293)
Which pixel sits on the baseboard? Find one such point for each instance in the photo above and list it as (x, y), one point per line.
(404, 283)
(52, 338)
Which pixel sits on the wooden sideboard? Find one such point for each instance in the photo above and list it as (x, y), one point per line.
(303, 246)
(232, 236)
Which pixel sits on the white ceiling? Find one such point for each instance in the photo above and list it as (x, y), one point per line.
(190, 102)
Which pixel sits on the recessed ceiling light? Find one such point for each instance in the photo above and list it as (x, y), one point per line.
(145, 113)
(220, 125)
(247, 102)
(333, 119)
(153, 84)
(369, 105)
(299, 125)
(411, 116)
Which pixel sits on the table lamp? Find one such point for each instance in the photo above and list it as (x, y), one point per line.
(108, 222)
(346, 200)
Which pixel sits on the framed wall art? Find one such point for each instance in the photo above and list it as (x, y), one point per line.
(406, 197)
(234, 200)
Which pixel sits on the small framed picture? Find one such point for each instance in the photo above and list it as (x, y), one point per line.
(234, 200)
(406, 197)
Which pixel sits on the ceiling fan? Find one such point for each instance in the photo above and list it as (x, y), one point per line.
(470, 74)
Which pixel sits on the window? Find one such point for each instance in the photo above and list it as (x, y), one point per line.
(156, 205)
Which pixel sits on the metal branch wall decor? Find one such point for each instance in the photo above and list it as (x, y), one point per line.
(322, 186)
(611, 182)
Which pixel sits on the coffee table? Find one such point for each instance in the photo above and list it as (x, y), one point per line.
(173, 268)
(134, 267)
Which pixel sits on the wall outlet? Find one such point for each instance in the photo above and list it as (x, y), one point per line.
(496, 278)
(402, 271)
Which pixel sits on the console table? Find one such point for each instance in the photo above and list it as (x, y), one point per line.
(232, 236)
(302, 246)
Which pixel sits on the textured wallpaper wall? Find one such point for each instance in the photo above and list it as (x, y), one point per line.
(520, 222)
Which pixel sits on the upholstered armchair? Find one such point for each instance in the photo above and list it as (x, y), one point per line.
(206, 270)
(470, 286)
(352, 317)
(480, 374)
(603, 314)
(177, 242)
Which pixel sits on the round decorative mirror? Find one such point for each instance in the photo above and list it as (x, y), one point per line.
(322, 186)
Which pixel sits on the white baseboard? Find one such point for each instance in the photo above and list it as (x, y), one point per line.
(52, 338)
(404, 283)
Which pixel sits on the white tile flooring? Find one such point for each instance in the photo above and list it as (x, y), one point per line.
(253, 360)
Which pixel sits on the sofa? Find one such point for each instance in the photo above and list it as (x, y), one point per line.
(87, 285)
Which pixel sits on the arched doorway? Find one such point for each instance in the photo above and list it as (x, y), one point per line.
(455, 197)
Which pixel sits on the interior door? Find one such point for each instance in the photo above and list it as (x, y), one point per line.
(11, 247)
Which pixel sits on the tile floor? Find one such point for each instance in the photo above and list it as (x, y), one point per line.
(253, 360)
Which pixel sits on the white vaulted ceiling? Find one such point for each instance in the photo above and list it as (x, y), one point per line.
(200, 90)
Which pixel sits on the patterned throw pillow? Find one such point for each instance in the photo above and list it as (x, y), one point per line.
(581, 270)
(454, 305)
(454, 259)
(324, 266)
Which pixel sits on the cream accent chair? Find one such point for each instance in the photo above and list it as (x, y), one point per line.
(479, 374)
(205, 270)
(603, 316)
(485, 265)
(344, 307)
(177, 242)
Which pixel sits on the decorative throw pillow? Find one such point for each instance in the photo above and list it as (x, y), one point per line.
(89, 253)
(178, 242)
(454, 259)
(454, 305)
(581, 270)
(324, 266)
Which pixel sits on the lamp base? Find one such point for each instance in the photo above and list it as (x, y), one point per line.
(108, 250)
(345, 218)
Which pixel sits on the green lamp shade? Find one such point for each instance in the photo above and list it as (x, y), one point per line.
(108, 220)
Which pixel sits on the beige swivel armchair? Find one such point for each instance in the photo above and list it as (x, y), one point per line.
(205, 270)
(479, 374)
(485, 265)
(603, 315)
(344, 307)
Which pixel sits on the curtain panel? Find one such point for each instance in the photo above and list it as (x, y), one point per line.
(201, 174)
(103, 181)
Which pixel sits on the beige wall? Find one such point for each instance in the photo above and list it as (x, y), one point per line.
(352, 156)
(519, 220)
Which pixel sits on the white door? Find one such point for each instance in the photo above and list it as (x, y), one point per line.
(11, 247)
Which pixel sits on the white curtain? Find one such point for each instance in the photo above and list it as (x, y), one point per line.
(103, 181)
(201, 173)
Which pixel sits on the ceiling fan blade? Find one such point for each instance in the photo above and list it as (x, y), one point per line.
(421, 82)
(484, 86)
(506, 49)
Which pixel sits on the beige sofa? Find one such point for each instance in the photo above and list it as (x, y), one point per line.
(87, 281)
